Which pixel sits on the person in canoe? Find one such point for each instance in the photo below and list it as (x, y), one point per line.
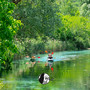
(50, 60)
(33, 60)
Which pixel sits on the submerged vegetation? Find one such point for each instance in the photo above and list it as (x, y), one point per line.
(51, 25)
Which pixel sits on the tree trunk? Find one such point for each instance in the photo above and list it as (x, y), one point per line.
(16, 1)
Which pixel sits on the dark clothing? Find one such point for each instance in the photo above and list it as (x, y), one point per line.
(50, 57)
(50, 61)
(32, 60)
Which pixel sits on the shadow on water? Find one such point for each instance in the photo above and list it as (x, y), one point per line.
(71, 74)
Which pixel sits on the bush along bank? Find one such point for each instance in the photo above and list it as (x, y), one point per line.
(31, 47)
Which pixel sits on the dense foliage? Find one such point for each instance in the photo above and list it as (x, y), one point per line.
(75, 29)
(8, 29)
(39, 18)
(66, 20)
(51, 25)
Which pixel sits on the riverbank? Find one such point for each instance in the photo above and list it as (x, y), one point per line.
(30, 47)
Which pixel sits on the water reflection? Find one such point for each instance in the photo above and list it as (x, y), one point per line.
(73, 74)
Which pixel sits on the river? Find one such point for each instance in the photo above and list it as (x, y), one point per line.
(71, 71)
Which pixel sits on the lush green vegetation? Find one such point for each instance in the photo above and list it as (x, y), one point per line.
(51, 25)
(8, 29)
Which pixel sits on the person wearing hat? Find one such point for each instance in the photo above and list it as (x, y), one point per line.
(50, 60)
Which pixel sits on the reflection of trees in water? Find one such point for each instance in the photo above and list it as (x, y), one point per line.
(71, 72)
(86, 82)
(59, 64)
(64, 65)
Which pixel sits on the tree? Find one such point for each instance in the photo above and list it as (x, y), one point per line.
(8, 29)
(85, 10)
(16, 1)
(39, 18)
(69, 8)
(75, 29)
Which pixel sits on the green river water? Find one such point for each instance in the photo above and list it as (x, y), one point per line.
(71, 71)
